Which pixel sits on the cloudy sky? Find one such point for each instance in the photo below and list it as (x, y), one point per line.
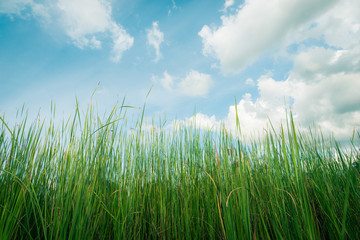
(199, 55)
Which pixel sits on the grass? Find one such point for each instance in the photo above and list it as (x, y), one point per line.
(92, 178)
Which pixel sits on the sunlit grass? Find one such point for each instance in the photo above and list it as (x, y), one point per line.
(92, 178)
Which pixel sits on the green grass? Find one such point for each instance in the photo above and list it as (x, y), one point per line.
(90, 177)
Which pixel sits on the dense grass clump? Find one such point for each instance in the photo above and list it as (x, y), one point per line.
(94, 178)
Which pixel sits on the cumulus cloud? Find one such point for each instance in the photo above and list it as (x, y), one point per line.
(194, 84)
(325, 87)
(332, 104)
(154, 38)
(254, 115)
(256, 27)
(317, 62)
(329, 99)
(84, 19)
(340, 26)
(321, 88)
(86, 22)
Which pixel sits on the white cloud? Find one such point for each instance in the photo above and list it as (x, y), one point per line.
(195, 84)
(122, 41)
(228, 3)
(84, 19)
(86, 22)
(325, 88)
(322, 88)
(173, 7)
(329, 98)
(254, 115)
(167, 81)
(20, 7)
(155, 37)
(258, 26)
(316, 62)
(340, 26)
(331, 104)
(14, 6)
(200, 121)
(250, 82)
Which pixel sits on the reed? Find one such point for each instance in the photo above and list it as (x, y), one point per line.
(90, 177)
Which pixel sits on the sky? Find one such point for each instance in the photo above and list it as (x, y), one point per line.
(199, 58)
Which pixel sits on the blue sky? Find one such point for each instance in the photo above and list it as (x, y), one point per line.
(196, 54)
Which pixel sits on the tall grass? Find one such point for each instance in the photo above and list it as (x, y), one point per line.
(90, 177)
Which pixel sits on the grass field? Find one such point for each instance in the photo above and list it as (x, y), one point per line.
(92, 178)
